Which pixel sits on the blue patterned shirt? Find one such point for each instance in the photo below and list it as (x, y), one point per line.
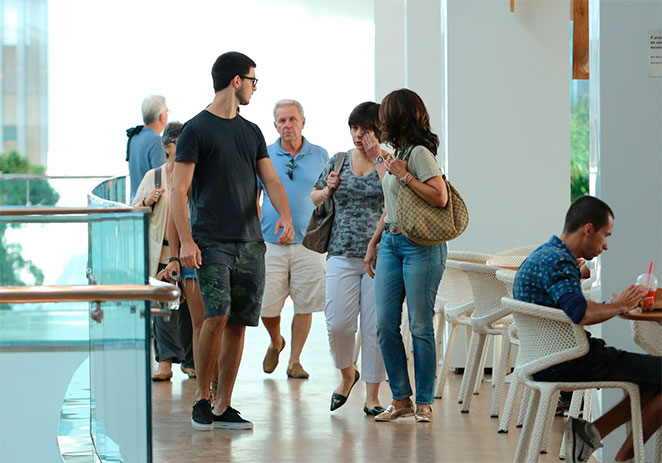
(550, 276)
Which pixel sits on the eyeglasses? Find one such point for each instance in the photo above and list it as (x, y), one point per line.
(250, 78)
(290, 169)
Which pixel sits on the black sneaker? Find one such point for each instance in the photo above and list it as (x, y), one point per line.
(230, 419)
(201, 418)
(581, 440)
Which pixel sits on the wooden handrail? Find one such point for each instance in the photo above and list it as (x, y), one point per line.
(161, 292)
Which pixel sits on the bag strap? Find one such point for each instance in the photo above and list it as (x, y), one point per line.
(157, 178)
(340, 162)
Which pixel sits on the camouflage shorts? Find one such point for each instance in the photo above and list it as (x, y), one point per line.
(232, 280)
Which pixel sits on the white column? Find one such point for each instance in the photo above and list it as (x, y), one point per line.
(409, 53)
(425, 60)
(390, 47)
(627, 121)
(508, 78)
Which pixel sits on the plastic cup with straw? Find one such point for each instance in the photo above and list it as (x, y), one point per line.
(650, 286)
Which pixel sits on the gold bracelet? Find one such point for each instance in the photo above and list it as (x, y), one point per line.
(408, 178)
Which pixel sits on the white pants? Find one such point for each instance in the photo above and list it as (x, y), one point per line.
(349, 292)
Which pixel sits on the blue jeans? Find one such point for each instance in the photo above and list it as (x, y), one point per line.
(407, 268)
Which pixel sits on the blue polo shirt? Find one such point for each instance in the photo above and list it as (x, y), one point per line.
(307, 167)
(550, 276)
(145, 153)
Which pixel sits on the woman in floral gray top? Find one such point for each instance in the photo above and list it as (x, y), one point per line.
(350, 291)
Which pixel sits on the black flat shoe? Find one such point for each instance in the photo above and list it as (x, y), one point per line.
(374, 411)
(338, 400)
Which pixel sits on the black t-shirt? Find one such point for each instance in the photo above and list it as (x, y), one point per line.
(224, 188)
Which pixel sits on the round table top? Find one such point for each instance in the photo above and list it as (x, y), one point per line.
(637, 314)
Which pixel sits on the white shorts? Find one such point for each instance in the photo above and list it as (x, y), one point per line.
(296, 271)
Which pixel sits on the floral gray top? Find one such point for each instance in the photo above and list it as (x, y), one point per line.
(359, 202)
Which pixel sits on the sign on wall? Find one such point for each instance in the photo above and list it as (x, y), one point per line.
(655, 53)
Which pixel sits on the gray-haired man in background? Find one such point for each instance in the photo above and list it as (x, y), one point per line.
(144, 150)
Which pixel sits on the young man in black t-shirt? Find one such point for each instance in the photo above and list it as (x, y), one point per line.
(219, 156)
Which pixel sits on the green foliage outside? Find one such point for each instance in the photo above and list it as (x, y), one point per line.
(579, 148)
(13, 267)
(24, 192)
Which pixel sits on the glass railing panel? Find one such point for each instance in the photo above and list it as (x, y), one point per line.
(119, 342)
(42, 190)
(53, 340)
(40, 349)
(120, 412)
(112, 190)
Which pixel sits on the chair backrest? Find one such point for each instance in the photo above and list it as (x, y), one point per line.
(546, 335)
(519, 251)
(507, 277)
(469, 256)
(487, 290)
(455, 288)
(648, 336)
(509, 262)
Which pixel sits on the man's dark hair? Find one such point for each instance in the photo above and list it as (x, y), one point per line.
(366, 115)
(587, 209)
(229, 65)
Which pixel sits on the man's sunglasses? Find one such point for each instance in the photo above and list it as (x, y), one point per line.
(290, 169)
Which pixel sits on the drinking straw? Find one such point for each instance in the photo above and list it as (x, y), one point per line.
(648, 278)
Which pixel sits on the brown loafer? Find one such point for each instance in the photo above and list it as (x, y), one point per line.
(162, 376)
(391, 413)
(297, 371)
(270, 361)
(423, 415)
(190, 372)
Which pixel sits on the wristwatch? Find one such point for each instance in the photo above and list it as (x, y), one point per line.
(403, 182)
(378, 160)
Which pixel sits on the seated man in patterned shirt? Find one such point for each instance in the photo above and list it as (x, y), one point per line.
(550, 276)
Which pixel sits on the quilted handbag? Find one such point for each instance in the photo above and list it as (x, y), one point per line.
(429, 225)
(318, 232)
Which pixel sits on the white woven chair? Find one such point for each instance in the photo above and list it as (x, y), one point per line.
(519, 250)
(548, 337)
(648, 336)
(487, 319)
(515, 384)
(507, 277)
(508, 262)
(469, 256)
(456, 298)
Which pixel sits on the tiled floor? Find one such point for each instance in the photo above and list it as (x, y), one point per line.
(293, 422)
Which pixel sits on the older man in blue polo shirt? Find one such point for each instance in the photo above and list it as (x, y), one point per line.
(291, 269)
(550, 276)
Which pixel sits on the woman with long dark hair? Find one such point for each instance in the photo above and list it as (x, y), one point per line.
(403, 267)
